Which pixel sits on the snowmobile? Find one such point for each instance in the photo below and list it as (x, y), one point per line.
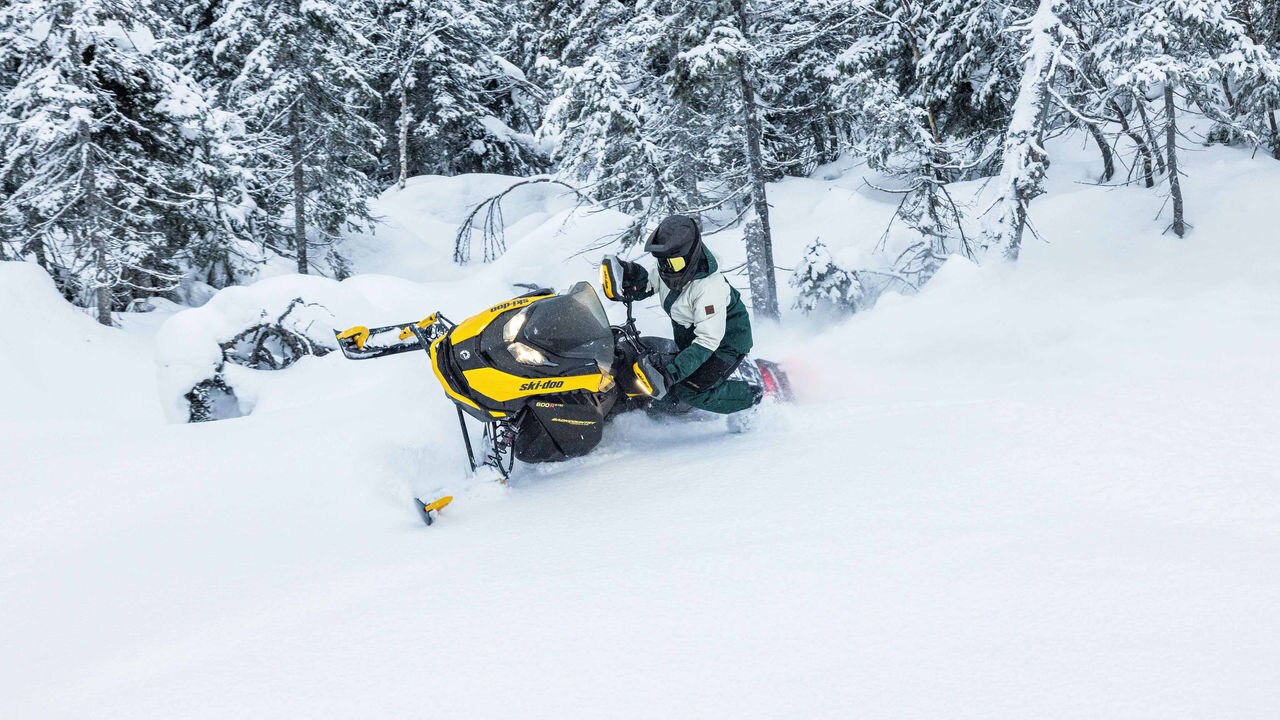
(542, 372)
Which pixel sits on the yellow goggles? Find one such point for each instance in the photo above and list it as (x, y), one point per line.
(675, 264)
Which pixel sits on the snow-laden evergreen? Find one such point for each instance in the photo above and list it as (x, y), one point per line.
(823, 285)
(302, 84)
(108, 151)
(456, 104)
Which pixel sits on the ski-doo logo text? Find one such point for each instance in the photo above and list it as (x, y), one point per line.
(542, 385)
(510, 304)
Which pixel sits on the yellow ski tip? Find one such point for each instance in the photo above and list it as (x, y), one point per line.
(358, 334)
(439, 504)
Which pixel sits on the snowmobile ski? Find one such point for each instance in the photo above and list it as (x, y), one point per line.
(425, 509)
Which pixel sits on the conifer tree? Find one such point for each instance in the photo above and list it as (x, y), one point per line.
(302, 86)
(99, 134)
(456, 105)
(823, 285)
(1182, 48)
(599, 135)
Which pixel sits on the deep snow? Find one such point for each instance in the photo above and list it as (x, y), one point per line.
(1047, 492)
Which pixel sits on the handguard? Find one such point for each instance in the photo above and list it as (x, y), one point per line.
(612, 277)
(651, 378)
(623, 281)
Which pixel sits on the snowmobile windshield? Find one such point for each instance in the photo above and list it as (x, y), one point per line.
(572, 325)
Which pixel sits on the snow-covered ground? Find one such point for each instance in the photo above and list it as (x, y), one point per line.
(1045, 492)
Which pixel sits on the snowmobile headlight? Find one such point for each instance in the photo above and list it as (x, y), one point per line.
(526, 355)
(513, 326)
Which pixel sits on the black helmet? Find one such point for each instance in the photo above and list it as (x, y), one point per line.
(677, 243)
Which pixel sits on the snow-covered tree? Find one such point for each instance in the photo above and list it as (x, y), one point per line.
(99, 139)
(1252, 92)
(928, 85)
(823, 285)
(800, 41)
(455, 103)
(302, 85)
(1025, 161)
(598, 132)
(1189, 49)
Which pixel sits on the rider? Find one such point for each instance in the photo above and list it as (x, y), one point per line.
(710, 323)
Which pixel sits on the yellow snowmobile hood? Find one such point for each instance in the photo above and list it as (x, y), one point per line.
(485, 390)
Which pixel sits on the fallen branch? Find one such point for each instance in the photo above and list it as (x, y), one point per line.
(494, 227)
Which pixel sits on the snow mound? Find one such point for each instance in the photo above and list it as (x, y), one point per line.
(1008, 485)
(192, 346)
(58, 363)
(419, 223)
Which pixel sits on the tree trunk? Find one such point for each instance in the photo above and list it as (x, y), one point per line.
(1147, 173)
(833, 144)
(1275, 134)
(1171, 139)
(102, 301)
(1151, 134)
(818, 129)
(1024, 162)
(1108, 161)
(760, 268)
(404, 133)
(916, 56)
(1226, 92)
(92, 232)
(299, 190)
(36, 248)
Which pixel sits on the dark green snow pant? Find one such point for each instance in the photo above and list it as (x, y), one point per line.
(729, 396)
(707, 389)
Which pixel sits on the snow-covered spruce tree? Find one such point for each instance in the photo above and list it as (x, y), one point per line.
(236, 225)
(1255, 101)
(682, 86)
(616, 126)
(927, 105)
(1025, 161)
(800, 41)
(99, 136)
(967, 72)
(450, 102)
(823, 285)
(302, 86)
(548, 35)
(228, 231)
(598, 133)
